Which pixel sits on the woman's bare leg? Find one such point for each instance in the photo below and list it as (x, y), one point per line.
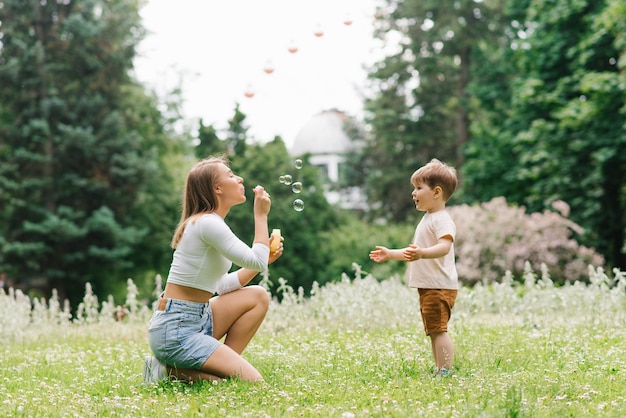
(227, 363)
(238, 315)
(190, 375)
(224, 362)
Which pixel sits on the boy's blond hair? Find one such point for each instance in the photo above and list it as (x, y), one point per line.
(436, 173)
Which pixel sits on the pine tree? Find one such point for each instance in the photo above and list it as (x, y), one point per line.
(76, 147)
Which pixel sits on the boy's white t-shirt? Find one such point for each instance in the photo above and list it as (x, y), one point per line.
(434, 273)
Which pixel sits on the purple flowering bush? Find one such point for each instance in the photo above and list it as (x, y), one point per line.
(494, 237)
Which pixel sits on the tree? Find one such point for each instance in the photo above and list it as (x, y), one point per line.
(234, 143)
(426, 90)
(209, 142)
(564, 137)
(81, 146)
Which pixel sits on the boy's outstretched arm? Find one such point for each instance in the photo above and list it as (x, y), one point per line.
(413, 252)
(381, 254)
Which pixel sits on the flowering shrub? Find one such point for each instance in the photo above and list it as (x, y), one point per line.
(494, 238)
(21, 314)
(359, 303)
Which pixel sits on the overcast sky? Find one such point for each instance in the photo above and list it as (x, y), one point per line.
(219, 50)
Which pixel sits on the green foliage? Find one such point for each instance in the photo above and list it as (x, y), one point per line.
(447, 69)
(83, 151)
(209, 142)
(564, 137)
(351, 242)
(526, 98)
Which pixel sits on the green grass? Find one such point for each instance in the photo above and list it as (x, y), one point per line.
(353, 350)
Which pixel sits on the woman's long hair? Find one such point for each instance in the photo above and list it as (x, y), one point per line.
(199, 196)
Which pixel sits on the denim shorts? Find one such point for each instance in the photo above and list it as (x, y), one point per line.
(181, 333)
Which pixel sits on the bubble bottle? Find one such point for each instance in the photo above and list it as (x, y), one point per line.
(276, 242)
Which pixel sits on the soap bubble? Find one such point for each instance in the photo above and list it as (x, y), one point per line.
(296, 187)
(298, 164)
(281, 179)
(298, 205)
(288, 179)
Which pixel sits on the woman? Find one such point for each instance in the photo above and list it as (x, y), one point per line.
(188, 323)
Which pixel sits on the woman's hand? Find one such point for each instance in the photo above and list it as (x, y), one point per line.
(279, 251)
(262, 202)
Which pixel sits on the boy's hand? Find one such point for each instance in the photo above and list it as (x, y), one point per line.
(412, 253)
(380, 254)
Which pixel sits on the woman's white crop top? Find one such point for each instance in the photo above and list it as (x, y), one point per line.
(207, 251)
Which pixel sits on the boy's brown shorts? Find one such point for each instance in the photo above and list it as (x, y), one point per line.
(436, 308)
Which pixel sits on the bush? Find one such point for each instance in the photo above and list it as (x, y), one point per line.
(495, 237)
(351, 242)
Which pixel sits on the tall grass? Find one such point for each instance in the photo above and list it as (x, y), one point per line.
(353, 349)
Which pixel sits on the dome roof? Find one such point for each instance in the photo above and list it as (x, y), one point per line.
(323, 134)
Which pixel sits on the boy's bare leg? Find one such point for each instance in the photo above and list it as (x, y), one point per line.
(443, 351)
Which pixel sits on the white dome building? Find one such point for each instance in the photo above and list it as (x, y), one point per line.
(325, 139)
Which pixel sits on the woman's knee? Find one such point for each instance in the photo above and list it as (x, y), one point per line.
(261, 297)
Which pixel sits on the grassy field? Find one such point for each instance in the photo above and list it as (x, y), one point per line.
(354, 349)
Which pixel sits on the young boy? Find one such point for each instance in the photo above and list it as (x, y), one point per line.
(432, 268)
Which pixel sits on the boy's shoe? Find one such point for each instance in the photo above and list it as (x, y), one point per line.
(443, 372)
(154, 371)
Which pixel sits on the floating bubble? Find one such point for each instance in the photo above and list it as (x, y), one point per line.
(298, 164)
(296, 187)
(298, 205)
(281, 179)
(288, 179)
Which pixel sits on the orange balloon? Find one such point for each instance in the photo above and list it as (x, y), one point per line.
(318, 31)
(292, 47)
